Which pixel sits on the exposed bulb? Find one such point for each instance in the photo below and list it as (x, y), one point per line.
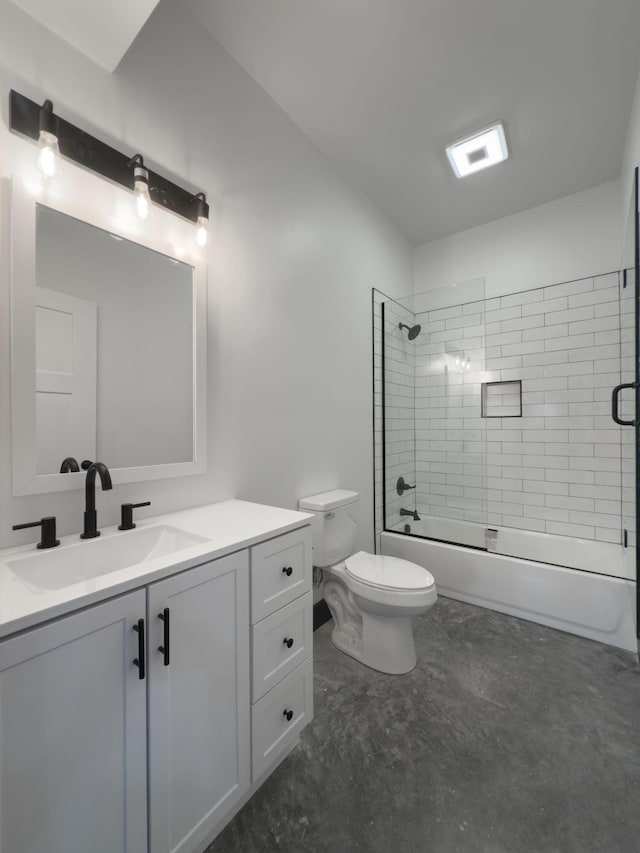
(141, 192)
(201, 231)
(49, 154)
(143, 200)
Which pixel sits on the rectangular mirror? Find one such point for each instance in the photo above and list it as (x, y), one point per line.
(107, 345)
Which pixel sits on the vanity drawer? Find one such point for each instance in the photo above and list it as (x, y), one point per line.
(271, 729)
(280, 572)
(280, 642)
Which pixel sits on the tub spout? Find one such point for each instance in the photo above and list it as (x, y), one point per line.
(412, 512)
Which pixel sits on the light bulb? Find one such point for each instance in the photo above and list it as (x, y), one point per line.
(49, 154)
(201, 231)
(143, 200)
(141, 192)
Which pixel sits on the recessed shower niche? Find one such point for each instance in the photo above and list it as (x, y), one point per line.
(502, 399)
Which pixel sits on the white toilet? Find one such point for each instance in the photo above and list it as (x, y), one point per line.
(371, 597)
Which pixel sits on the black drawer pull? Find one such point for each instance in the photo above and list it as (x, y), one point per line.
(139, 661)
(164, 648)
(288, 641)
(288, 571)
(288, 715)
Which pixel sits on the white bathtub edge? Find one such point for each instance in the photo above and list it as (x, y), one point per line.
(598, 607)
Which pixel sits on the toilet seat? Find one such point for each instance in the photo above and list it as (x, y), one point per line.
(388, 573)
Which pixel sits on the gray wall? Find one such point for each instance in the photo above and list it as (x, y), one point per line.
(293, 255)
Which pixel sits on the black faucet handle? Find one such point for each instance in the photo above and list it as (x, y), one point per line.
(48, 531)
(402, 486)
(126, 513)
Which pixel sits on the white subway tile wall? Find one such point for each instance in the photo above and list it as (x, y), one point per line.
(564, 466)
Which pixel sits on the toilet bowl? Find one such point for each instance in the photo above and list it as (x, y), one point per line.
(371, 597)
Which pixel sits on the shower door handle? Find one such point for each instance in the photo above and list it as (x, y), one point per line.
(614, 403)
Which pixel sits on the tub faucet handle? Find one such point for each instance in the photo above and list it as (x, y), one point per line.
(402, 486)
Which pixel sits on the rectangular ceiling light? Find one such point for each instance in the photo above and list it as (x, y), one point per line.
(479, 151)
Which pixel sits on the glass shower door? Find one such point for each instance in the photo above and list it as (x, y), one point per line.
(435, 453)
(451, 432)
(399, 331)
(628, 404)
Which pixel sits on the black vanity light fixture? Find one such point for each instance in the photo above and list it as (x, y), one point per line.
(56, 137)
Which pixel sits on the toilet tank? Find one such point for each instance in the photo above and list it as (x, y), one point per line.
(333, 527)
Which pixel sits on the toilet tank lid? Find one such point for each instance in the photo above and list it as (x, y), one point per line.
(326, 501)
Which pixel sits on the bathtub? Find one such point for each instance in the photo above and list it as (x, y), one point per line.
(594, 605)
(604, 558)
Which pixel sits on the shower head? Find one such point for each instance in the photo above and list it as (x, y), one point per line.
(414, 331)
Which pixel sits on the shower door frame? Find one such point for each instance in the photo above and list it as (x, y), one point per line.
(636, 193)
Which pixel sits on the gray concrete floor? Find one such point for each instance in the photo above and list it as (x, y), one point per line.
(508, 737)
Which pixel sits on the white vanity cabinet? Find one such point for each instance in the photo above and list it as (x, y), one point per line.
(199, 763)
(98, 753)
(281, 646)
(73, 743)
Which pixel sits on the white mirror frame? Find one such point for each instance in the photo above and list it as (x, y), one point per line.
(100, 203)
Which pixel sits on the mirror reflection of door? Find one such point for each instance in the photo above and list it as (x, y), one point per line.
(66, 354)
(143, 369)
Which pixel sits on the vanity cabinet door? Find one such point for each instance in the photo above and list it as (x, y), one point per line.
(73, 734)
(199, 721)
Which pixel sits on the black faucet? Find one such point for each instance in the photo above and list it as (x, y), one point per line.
(90, 514)
(69, 463)
(412, 512)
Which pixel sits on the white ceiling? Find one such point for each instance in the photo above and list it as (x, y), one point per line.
(382, 86)
(102, 31)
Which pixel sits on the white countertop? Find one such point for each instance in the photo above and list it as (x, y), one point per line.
(227, 526)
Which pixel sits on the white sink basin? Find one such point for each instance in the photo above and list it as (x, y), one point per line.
(84, 560)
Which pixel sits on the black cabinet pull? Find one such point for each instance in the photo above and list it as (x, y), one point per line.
(288, 715)
(139, 661)
(288, 641)
(164, 648)
(288, 571)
